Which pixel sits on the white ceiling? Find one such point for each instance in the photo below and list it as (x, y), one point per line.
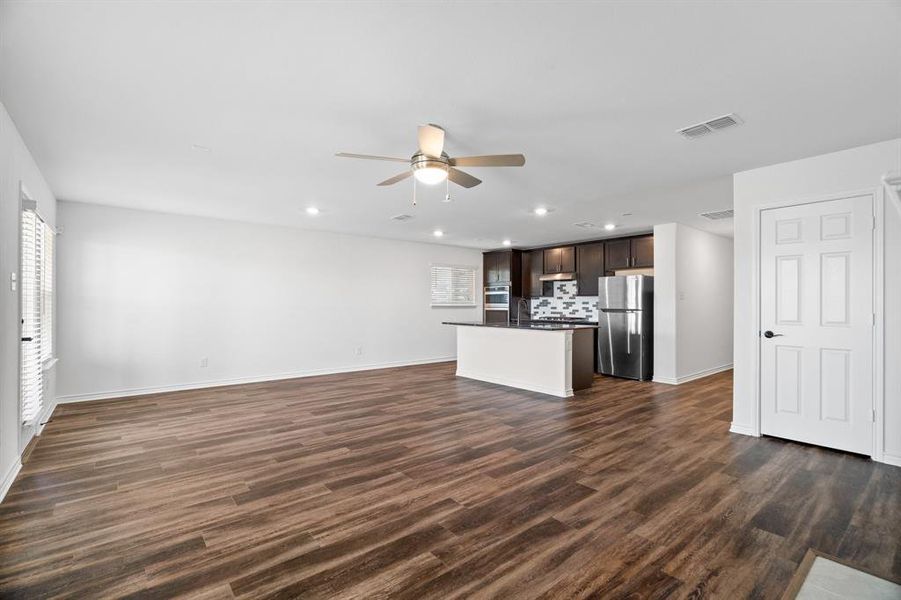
(111, 96)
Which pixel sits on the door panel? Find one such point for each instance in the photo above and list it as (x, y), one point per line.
(591, 268)
(816, 280)
(504, 271)
(536, 268)
(643, 251)
(552, 260)
(567, 259)
(617, 255)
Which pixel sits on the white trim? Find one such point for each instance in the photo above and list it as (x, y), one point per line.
(879, 325)
(878, 308)
(743, 430)
(179, 387)
(891, 459)
(513, 383)
(9, 478)
(43, 419)
(693, 376)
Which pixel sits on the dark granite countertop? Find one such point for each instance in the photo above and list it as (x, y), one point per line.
(525, 325)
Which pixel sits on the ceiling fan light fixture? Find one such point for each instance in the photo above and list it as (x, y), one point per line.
(430, 175)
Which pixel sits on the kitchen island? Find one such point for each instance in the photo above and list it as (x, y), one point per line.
(555, 359)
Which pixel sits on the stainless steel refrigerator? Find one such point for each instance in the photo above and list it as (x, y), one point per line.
(626, 326)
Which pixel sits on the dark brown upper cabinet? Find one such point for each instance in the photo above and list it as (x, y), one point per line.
(503, 267)
(533, 269)
(591, 267)
(617, 254)
(629, 253)
(643, 251)
(560, 260)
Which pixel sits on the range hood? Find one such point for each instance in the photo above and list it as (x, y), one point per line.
(558, 277)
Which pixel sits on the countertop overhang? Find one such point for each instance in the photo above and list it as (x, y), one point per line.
(529, 326)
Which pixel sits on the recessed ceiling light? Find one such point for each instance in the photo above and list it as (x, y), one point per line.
(507, 243)
(438, 233)
(609, 226)
(540, 211)
(312, 210)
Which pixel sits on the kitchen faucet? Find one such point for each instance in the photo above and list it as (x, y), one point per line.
(519, 303)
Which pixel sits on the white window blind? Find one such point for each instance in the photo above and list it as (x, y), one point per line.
(453, 285)
(36, 281)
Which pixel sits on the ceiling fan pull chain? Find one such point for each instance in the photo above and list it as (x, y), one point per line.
(447, 187)
(414, 191)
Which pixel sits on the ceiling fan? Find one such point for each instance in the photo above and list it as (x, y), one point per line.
(432, 165)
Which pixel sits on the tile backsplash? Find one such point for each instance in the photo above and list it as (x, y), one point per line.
(565, 303)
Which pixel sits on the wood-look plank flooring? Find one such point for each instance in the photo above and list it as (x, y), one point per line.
(411, 483)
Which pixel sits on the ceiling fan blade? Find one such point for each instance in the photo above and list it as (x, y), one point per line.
(461, 178)
(431, 140)
(493, 160)
(371, 157)
(397, 178)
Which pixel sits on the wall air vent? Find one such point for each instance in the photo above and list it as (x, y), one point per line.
(711, 126)
(719, 215)
(401, 217)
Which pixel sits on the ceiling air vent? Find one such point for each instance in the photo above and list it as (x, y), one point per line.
(401, 217)
(723, 122)
(585, 225)
(695, 131)
(711, 126)
(719, 215)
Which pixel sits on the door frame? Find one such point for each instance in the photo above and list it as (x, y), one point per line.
(755, 327)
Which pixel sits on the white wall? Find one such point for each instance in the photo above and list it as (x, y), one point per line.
(144, 296)
(692, 303)
(17, 168)
(665, 303)
(848, 170)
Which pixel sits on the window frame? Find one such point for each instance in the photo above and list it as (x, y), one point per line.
(472, 273)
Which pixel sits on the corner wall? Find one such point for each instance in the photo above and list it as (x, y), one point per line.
(145, 297)
(850, 170)
(692, 303)
(17, 168)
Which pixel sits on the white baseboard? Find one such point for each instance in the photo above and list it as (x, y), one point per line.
(743, 430)
(890, 459)
(692, 376)
(9, 478)
(559, 392)
(180, 387)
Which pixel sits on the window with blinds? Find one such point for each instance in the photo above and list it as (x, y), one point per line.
(36, 281)
(453, 285)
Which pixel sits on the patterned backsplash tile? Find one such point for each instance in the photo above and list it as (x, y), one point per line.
(566, 303)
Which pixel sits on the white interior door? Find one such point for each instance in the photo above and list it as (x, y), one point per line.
(816, 284)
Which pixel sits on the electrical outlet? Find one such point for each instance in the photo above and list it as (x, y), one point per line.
(204, 362)
(358, 351)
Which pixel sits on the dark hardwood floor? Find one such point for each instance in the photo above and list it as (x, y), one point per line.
(410, 483)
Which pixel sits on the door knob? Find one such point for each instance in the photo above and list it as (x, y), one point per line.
(770, 334)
